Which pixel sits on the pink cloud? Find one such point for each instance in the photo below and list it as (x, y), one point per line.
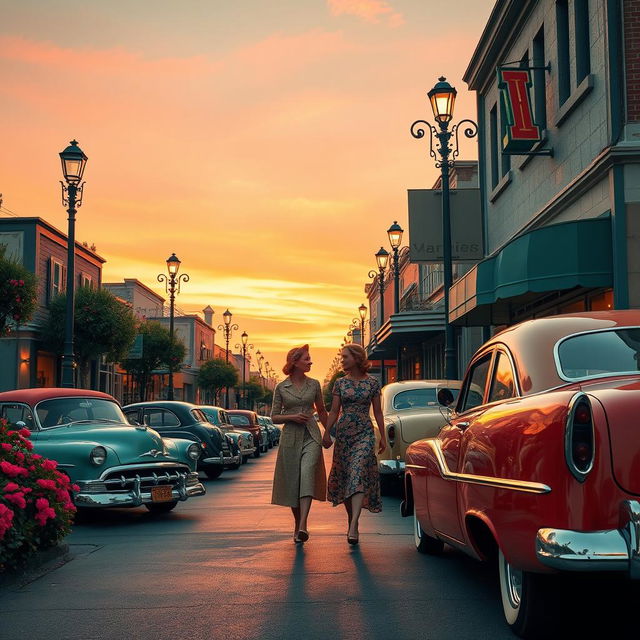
(368, 10)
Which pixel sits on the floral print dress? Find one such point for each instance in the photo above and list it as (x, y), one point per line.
(355, 468)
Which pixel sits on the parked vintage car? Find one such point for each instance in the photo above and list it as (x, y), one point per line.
(245, 419)
(542, 471)
(243, 440)
(114, 463)
(273, 433)
(172, 416)
(411, 411)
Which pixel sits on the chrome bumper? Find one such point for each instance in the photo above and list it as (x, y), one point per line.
(609, 550)
(249, 451)
(137, 496)
(391, 467)
(231, 461)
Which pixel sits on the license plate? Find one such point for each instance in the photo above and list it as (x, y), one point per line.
(161, 494)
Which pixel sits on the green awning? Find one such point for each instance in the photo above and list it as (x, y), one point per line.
(553, 258)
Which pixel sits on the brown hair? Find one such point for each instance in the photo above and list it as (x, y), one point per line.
(292, 357)
(359, 355)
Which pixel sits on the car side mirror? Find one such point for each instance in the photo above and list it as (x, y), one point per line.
(445, 397)
(134, 422)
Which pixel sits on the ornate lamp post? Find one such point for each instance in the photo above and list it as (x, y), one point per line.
(382, 258)
(244, 338)
(443, 98)
(172, 287)
(73, 163)
(228, 329)
(362, 310)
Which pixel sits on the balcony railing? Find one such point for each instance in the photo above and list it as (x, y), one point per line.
(415, 301)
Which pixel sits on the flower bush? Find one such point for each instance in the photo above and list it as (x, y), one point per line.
(36, 510)
(18, 294)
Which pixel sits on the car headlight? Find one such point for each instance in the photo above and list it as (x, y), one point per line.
(193, 451)
(98, 455)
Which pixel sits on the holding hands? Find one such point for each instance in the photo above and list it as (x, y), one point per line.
(300, 418)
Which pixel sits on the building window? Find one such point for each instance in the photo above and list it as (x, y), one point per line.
(493, 146)
(539, 80)
(85, 280)
(601, 301)
(57, 278)
(583, 56)
(564, 72)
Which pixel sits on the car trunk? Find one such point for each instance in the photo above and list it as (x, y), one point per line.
(621, 401)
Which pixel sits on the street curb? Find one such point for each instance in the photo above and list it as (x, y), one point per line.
(40, 563)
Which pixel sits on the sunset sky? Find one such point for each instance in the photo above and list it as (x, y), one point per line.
(265, 142)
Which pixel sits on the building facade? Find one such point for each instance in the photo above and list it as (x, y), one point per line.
(42, 249)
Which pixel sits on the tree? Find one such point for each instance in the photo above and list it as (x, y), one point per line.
(328, 390)
(215, 375)
(157, 350)
(18, 293)
(103, 326)
(251, 391)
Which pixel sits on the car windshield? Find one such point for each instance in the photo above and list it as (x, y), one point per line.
(239, 420)
(419, 398)
(63, 411)
(600, 353)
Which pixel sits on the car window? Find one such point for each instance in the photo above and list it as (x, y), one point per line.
(131, 416)
(224, 417)
(600, 353)
(502, 385)
(475, 383)
(14, 413)
(415, 399)
(59, 411)
(239, 420)
(211, 415)
(199, 416)
(160, 418)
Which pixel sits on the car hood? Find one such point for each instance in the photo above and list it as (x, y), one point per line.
(621, 401)
(130, 444)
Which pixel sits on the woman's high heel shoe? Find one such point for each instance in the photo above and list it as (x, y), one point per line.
(353, 540)
(302, 536)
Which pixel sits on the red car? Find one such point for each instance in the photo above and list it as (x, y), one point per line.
(248, 420)
(539, 464)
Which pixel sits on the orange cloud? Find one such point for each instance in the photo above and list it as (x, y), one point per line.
(368, 10)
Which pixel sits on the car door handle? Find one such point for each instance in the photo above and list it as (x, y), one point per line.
(462, 425)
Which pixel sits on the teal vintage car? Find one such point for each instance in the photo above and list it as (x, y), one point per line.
(114, 463)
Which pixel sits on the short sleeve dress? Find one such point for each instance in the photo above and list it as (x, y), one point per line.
(355, 468)
(299, 466)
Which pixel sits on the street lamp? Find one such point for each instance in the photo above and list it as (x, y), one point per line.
(172, 287)
(395, 232)
(228, 329)
(382, 258)
(244, 338)
(73, 163)
(442, 98)
(362, 310)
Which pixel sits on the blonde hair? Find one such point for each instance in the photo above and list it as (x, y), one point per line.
(292, 357)
(359, 355)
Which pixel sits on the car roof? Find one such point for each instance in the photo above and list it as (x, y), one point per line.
(244, 412)
(165, 404)
(33, 396)
(532, 342)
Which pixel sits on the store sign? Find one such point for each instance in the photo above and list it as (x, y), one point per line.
(425, 225)
(521, 132)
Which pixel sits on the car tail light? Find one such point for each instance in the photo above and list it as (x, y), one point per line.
(391, 431)
(579, 441)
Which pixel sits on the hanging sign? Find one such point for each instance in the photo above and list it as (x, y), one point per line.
(521, 132)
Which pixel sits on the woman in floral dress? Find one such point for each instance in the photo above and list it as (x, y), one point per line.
(354, 477)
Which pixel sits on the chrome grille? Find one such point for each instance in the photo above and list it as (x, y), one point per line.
(124, 479)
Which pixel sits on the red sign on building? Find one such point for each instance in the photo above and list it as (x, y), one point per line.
(520, 131)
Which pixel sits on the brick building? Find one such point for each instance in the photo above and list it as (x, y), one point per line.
(42, 249)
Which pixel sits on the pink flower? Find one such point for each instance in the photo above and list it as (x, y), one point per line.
(49, 465)
(19, 456)
(17, 499)
(46, 484)
(28, 444)
(75, 487)
(36, 456)
(13, 470)
(42, 503)
(6, 446)
(25, 433)
(6, 518)
(62, 495)
(11, 486)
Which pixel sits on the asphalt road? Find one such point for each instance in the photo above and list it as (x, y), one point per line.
(225, 566)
